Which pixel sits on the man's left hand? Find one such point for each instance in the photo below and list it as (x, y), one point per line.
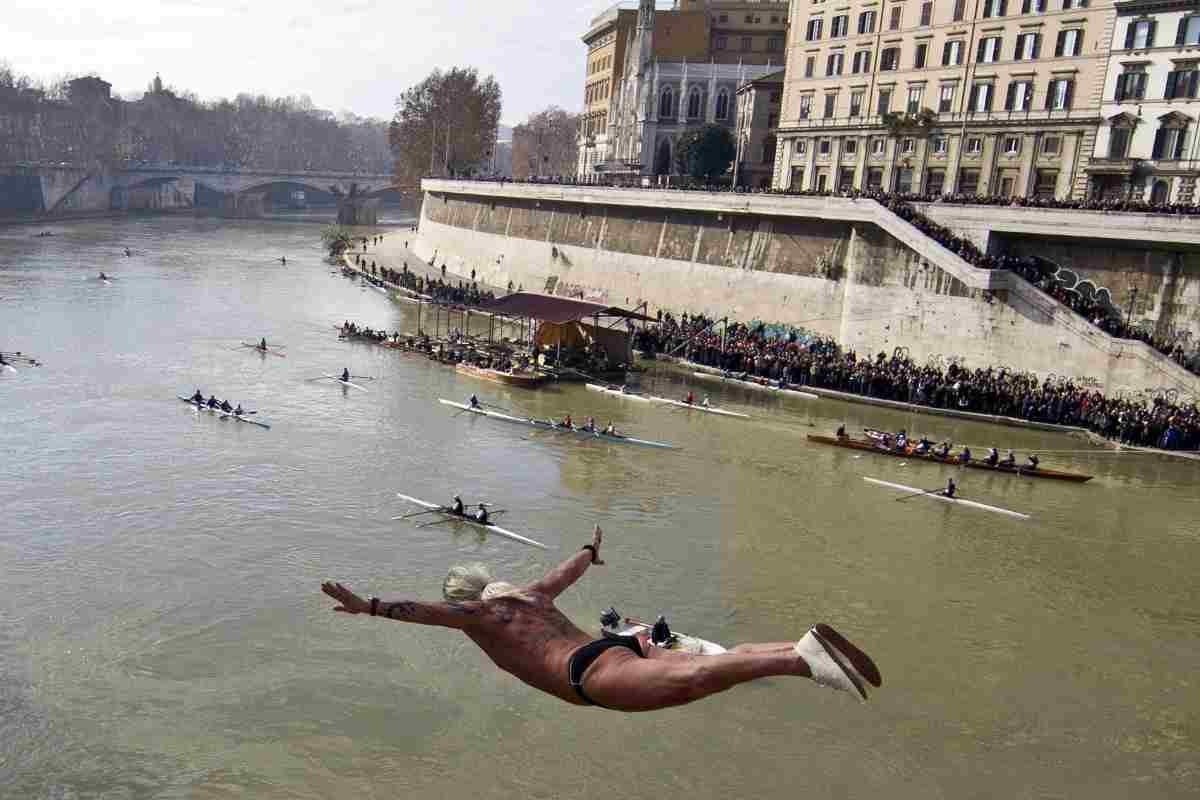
(350, 602)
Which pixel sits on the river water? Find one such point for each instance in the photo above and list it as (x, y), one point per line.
(162, 634)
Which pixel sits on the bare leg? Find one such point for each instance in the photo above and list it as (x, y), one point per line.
(628, 683)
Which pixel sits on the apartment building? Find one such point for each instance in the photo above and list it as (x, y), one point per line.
(655, 69)
(988, 97)
(758, 106)
(1148, 147)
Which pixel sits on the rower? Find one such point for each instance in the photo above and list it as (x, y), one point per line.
(237, 412)
(566, 422)
(944, 450)
(993, 457)
(473, 401)
(127, 252)
(704, 403)
(901, 439)
(610, 429)
(841, 432)
(198, 397)
(923, 446)
(1009, 460)
(212, 401)
(690, 399)
(103, 277)
(457, 508)
(345, 375)
(590, 425)
(1033, 461)
(283, 260)
(481, 515)
(950, 489)
(263, 344)
(965, 456)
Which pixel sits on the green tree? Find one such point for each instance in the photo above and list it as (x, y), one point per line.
(446, 124)
(705, 152)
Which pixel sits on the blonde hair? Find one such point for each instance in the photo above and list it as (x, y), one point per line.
(466, 583)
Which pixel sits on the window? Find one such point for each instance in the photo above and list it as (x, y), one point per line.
(1019, 97)
(862, 62)
(874, 178)
(989, 49)
(1069, 42)
(995, 8)
(981, 98)
(913, 104)
(695, 103)
(1045, 183)
(908, 146)
(926, 14)
(935, 181)
(768, 150)
(1118, 143)
(1182, 83)
(801, 146)
(975, 145)
(747, 44)
(830, 101)
(1069, 4)
(889, 59)
(904, 180)
(833, 65)
(805, 106)
(722, 104)
(960, 7)
(946, 98)
(665, 102)
(724, 18)
(839, 26)
(939, 145)
(921, 55)
(774, 44)
(774, 19)
(952, 53)
(878, 146)
(1169, 142)
(809, 63)
(1131, 85)
(850, 146)
(1139, 35)
(968, 181)
(1188, 34)
(1059, 96)
(722, 42)
(1012, 145)
(749, 18)
(894, 23)
(1029, 45)
(814, 30)
(823, 147)
(885, 102)
(856, 103)
(1033, 6)
(1051, 145)
(822, 181)
(866, 22)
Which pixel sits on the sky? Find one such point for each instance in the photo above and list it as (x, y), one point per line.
(347, 55)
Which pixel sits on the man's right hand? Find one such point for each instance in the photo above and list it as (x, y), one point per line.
(596, 537)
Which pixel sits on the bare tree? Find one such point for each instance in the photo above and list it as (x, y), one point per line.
(546, 144)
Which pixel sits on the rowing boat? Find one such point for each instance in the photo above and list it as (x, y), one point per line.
(9, 368)
(527, 380)
(760, 383)
(680, 642)
(344, 383)
(222, 413)
(555, 427)
(936, 495)
(641, 398)
(266, 352)
(1028, 472)
(490, 526)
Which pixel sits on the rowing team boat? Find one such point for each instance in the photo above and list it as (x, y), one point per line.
(489, 526)
(266, 351)
(936, 495)
(223, 414)
(758, 383)
(649, 398)
(1024, 471)
(555, 427)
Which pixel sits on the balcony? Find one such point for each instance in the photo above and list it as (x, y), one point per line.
(948, 119)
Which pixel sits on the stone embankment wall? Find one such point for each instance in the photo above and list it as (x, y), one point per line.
(847, 278)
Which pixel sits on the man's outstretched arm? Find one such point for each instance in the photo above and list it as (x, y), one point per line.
(557, 580)
(447, 615)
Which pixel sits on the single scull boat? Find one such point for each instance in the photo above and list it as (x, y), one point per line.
(554, 427)
(345, 383)
(649, 398)
(259, 348)
(489, 526)
(936, 495)
(766, 385)
(641, 398)
(220, 412)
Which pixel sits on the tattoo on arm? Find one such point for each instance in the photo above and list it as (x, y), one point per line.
(448, 615)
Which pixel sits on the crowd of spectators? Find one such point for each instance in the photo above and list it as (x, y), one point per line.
(439, 289)
(802, 359)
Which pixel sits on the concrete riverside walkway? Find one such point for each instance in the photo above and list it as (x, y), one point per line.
(995, 419)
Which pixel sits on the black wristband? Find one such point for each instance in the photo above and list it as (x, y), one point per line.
(374, 605)
(592, 548)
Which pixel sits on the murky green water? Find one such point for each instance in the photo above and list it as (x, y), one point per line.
(162, 635)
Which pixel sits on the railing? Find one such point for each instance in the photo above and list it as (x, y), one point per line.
(948, 118)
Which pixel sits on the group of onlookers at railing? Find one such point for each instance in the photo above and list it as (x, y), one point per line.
(440, 290)
(803, 359)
